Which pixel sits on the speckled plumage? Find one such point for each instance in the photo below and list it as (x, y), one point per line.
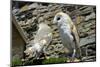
(41, 41)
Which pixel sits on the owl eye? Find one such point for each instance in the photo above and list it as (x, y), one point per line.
(58, 18)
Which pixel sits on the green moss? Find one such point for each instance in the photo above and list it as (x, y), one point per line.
(46, 61)
(54, 60)
(16, 61)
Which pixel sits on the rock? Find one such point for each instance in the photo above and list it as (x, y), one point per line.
(88, 58)
(53, 8)
(43, 11)
(21, 23)
(15, 11)
(54, 56)
(91, 32)
(91, 52)
(59, 47)
(87, 40)
(56, 35)
(86, 10)
(23, 9)
(88, 25)
(29, 15)
(35, 13)
(33, 6)
(91, 16)
(41, 19)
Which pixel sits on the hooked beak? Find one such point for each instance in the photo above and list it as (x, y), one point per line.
(54, 21)
(26, 53)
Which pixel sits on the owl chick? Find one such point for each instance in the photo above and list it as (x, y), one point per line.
(41, 41)
(68, 34)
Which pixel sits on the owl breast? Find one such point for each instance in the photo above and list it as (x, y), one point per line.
(66, 37)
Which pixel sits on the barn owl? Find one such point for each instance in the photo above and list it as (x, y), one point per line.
(68, 34)
(41, 41)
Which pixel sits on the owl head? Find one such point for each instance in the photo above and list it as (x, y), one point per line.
(29, 50)
(61, 18)
(32, 49)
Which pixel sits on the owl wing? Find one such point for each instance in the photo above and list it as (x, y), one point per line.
(76, 40)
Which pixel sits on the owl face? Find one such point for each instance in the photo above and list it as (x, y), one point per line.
(33, 50)
(29, 50)
(58, 18)
(61, 18)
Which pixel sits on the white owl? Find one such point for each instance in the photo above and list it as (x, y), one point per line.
(68, 34)
(41, 41)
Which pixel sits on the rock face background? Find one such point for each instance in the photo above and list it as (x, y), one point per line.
(29, 15)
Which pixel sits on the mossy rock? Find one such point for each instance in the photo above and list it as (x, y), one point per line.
(16, 62)
(55, 60)
(46, 61)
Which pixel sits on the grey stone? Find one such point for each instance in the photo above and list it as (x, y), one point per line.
(87, 40)
(33, 5)
(91, 16)
(43, 10)
(86, 11)
(41, 19)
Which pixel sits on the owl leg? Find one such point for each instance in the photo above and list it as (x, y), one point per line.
(73, 55)
(74, 52)
(74, 59)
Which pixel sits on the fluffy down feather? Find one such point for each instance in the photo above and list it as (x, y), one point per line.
(42, 39)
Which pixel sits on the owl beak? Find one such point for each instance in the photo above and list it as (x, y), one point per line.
(25, 51)
(54, 21)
